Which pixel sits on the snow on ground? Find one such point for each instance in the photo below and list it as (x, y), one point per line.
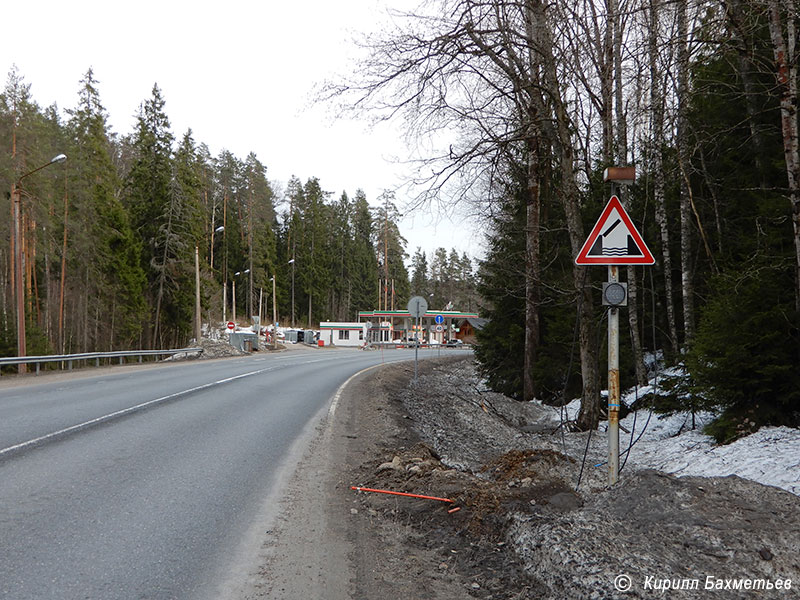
(770, 456)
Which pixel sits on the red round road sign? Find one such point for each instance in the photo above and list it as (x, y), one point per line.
(231, 325)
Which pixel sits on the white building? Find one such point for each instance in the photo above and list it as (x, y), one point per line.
(335, 333)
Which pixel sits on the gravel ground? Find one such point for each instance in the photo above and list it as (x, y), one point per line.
(522, 531)
(504, 520)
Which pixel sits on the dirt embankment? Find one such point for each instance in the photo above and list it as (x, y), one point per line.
(521, 530)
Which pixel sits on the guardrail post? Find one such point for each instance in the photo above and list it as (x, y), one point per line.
(69, 368)
(37, 367)
(121, 359)
(140, 359)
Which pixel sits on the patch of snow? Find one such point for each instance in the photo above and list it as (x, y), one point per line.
(770, 456)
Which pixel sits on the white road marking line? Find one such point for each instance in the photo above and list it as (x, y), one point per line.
(121, 413)
(338, 394)
(131, 409)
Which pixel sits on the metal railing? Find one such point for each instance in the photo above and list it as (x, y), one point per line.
(87, 356)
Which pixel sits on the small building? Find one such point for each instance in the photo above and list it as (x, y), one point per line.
(468, 327)
(437, 326)
(381, 333)
(339, 333)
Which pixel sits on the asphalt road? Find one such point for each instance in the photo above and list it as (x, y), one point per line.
(159, 482)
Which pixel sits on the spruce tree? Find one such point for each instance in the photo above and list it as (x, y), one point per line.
(105, 243)
(149, 200)
(419, 274)
(365, 275)
(501, 283)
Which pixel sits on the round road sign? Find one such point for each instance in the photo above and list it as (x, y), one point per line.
(417, 306)
(231, 325)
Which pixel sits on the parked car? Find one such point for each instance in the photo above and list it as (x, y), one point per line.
(411, 342)
(454, 343)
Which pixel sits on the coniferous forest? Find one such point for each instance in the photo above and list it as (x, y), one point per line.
(109, 235)
(536, 100)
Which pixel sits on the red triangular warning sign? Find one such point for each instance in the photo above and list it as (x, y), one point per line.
(614, 240)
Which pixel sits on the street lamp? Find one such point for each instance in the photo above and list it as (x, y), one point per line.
(274, 316)
(219, 229)
(291, 262)
(235, 275)
(16, 192)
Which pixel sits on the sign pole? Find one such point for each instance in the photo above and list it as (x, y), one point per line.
(613, 375)
(613, 384)
(614, 241)
(416, 345)
(417, 307)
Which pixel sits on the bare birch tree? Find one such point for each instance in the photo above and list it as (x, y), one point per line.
(687, 284)
(783, 33)
(487, 71)
(657, 86)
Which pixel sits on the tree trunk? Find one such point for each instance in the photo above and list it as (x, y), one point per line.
(735, 11)
(687, 284)
(657, 167)
(621, 137)
(532, 270)
(786, 71)
(560, 139)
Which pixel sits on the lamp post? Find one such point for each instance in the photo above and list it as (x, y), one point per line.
(235, 275)
(197, 320)
(220, 229)
(16, 192)
(274, 317)
(291, 262)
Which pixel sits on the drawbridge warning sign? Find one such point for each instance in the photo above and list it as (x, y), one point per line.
(614, 240)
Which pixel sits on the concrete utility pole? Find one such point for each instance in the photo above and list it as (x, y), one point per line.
(291, 262)
(197, 320)
(260, 302)
(274, 316)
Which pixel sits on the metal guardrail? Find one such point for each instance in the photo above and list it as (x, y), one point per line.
(96, 356)
(393, 345)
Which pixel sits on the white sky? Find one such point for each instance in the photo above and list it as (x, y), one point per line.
(240, 74)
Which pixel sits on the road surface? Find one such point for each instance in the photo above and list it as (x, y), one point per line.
(156, 482)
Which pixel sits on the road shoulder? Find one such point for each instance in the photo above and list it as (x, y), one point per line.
(325, 543)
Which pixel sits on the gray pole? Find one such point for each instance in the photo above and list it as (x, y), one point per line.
(416, 345)
(260, 302)
(613, 376)
(292, 292)
(613, 384)
(197, 326)
(274, 316)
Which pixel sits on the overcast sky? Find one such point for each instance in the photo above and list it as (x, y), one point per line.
(239, 74)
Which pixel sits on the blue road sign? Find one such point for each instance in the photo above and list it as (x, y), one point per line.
(439, 319)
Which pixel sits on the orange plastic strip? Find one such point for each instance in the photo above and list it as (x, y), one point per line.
(363, 489)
